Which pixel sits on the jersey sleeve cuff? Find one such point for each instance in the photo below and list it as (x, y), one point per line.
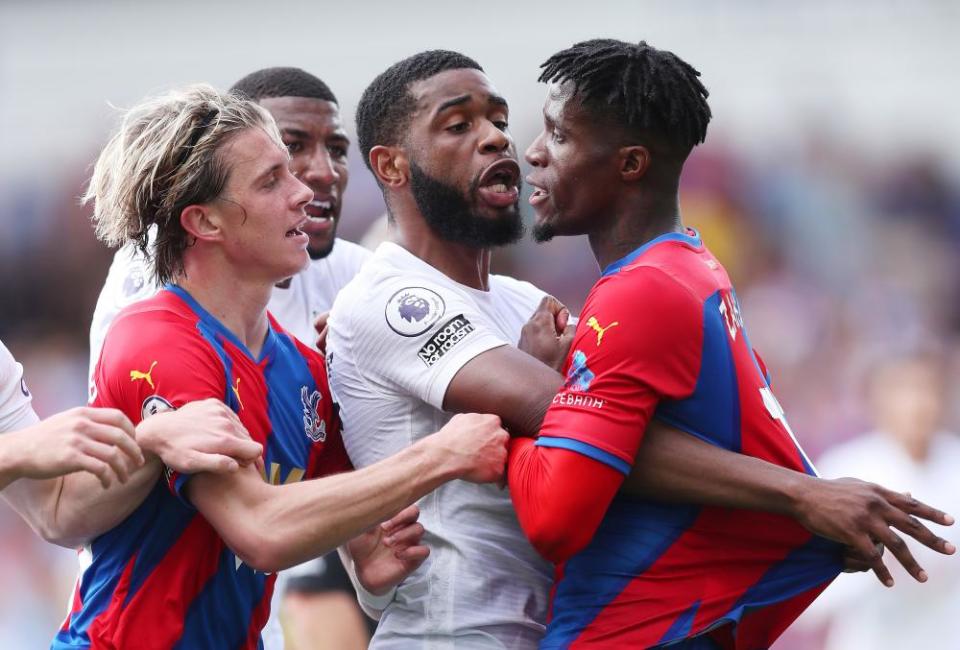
(441, 381)
(177, 484)
(587, 450)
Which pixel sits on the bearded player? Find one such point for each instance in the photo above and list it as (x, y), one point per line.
(662, 337)
(425, 330)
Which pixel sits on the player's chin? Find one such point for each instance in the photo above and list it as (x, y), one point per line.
(321, 245)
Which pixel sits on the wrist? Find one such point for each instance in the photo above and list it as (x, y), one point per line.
(437, 462)
(799, 495)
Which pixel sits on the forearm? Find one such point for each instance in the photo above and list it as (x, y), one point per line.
(73, 509)
(9, 462)
(676, 466)
(560, 496)
(276, 527)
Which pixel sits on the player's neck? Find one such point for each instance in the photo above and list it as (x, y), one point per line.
(241, 306)
(461, 263)
(638, 220)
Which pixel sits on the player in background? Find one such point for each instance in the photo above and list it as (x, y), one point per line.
(662, 337)
(308, 116)
(210, 172)
(425, 331)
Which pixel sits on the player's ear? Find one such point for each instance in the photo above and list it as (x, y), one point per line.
(389, 165)
(634, 162)
(200, 222)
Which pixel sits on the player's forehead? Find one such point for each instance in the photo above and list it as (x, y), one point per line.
(452, 88)
(252, 152)
(561, 102)
(305, 115)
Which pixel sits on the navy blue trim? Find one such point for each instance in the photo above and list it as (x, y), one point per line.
(692, 240)
(208, 319)
(587, 450)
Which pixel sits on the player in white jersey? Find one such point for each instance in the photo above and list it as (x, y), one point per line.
(398, 335)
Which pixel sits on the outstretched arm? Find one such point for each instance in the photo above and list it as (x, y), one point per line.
(274, 527)
(118, 473)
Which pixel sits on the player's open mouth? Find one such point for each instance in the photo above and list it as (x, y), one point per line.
(499, 184)
(320, 215)
(539, 194)
(297, 233)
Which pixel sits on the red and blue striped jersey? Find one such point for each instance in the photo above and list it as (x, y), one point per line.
(662, 336)
(164, 578)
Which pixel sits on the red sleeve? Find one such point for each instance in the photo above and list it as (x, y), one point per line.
(156, 361)
(638, 342)
(560, 496)
(330, 457)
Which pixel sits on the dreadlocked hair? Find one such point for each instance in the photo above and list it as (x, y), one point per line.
(386, 105)
(636, 85)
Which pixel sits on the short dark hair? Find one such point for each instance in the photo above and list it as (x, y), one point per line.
(282, 82)
(637, 86)
(386, 105)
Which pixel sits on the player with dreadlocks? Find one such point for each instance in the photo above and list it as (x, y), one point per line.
(661, 336)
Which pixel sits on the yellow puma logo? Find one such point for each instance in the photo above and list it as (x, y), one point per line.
(236, 392)
(136, 374)
(595, 326)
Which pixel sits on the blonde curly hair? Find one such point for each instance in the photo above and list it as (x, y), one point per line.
(164, 157)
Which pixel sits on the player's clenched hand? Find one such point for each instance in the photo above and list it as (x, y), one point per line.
(474, 445)
(389, 552)
(96, 440)
(861, 515)
(548, 334)
(321, 326)
(204, 436)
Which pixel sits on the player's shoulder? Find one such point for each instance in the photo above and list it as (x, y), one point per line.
(396, 286)
(348, 255)
(162, 324)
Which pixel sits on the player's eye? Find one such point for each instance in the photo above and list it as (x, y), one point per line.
(337, 151)
(294, 147)
(501, 124)
(459, 127)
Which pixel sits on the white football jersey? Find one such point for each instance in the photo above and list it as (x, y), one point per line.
(311, 293)
(399, 332)
(15, 409)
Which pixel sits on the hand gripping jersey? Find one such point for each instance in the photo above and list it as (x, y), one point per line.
(661, 335)
(164, 578)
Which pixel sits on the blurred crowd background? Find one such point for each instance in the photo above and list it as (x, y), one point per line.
(829, 186)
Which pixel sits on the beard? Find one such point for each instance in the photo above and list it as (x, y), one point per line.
(454, 217)
(543, 232)
(319, 252)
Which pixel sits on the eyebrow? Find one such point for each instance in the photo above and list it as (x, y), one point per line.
(463, 99)
(271, 170)
(303, 135)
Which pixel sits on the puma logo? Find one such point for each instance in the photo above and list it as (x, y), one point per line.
(136, 374)
(236, 392)
(595, 326)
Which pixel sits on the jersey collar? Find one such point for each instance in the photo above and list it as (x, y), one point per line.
(691, 237)
(208, 319)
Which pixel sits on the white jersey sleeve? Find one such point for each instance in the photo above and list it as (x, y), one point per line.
(413, 338)
(128, 280)
(16, 411)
